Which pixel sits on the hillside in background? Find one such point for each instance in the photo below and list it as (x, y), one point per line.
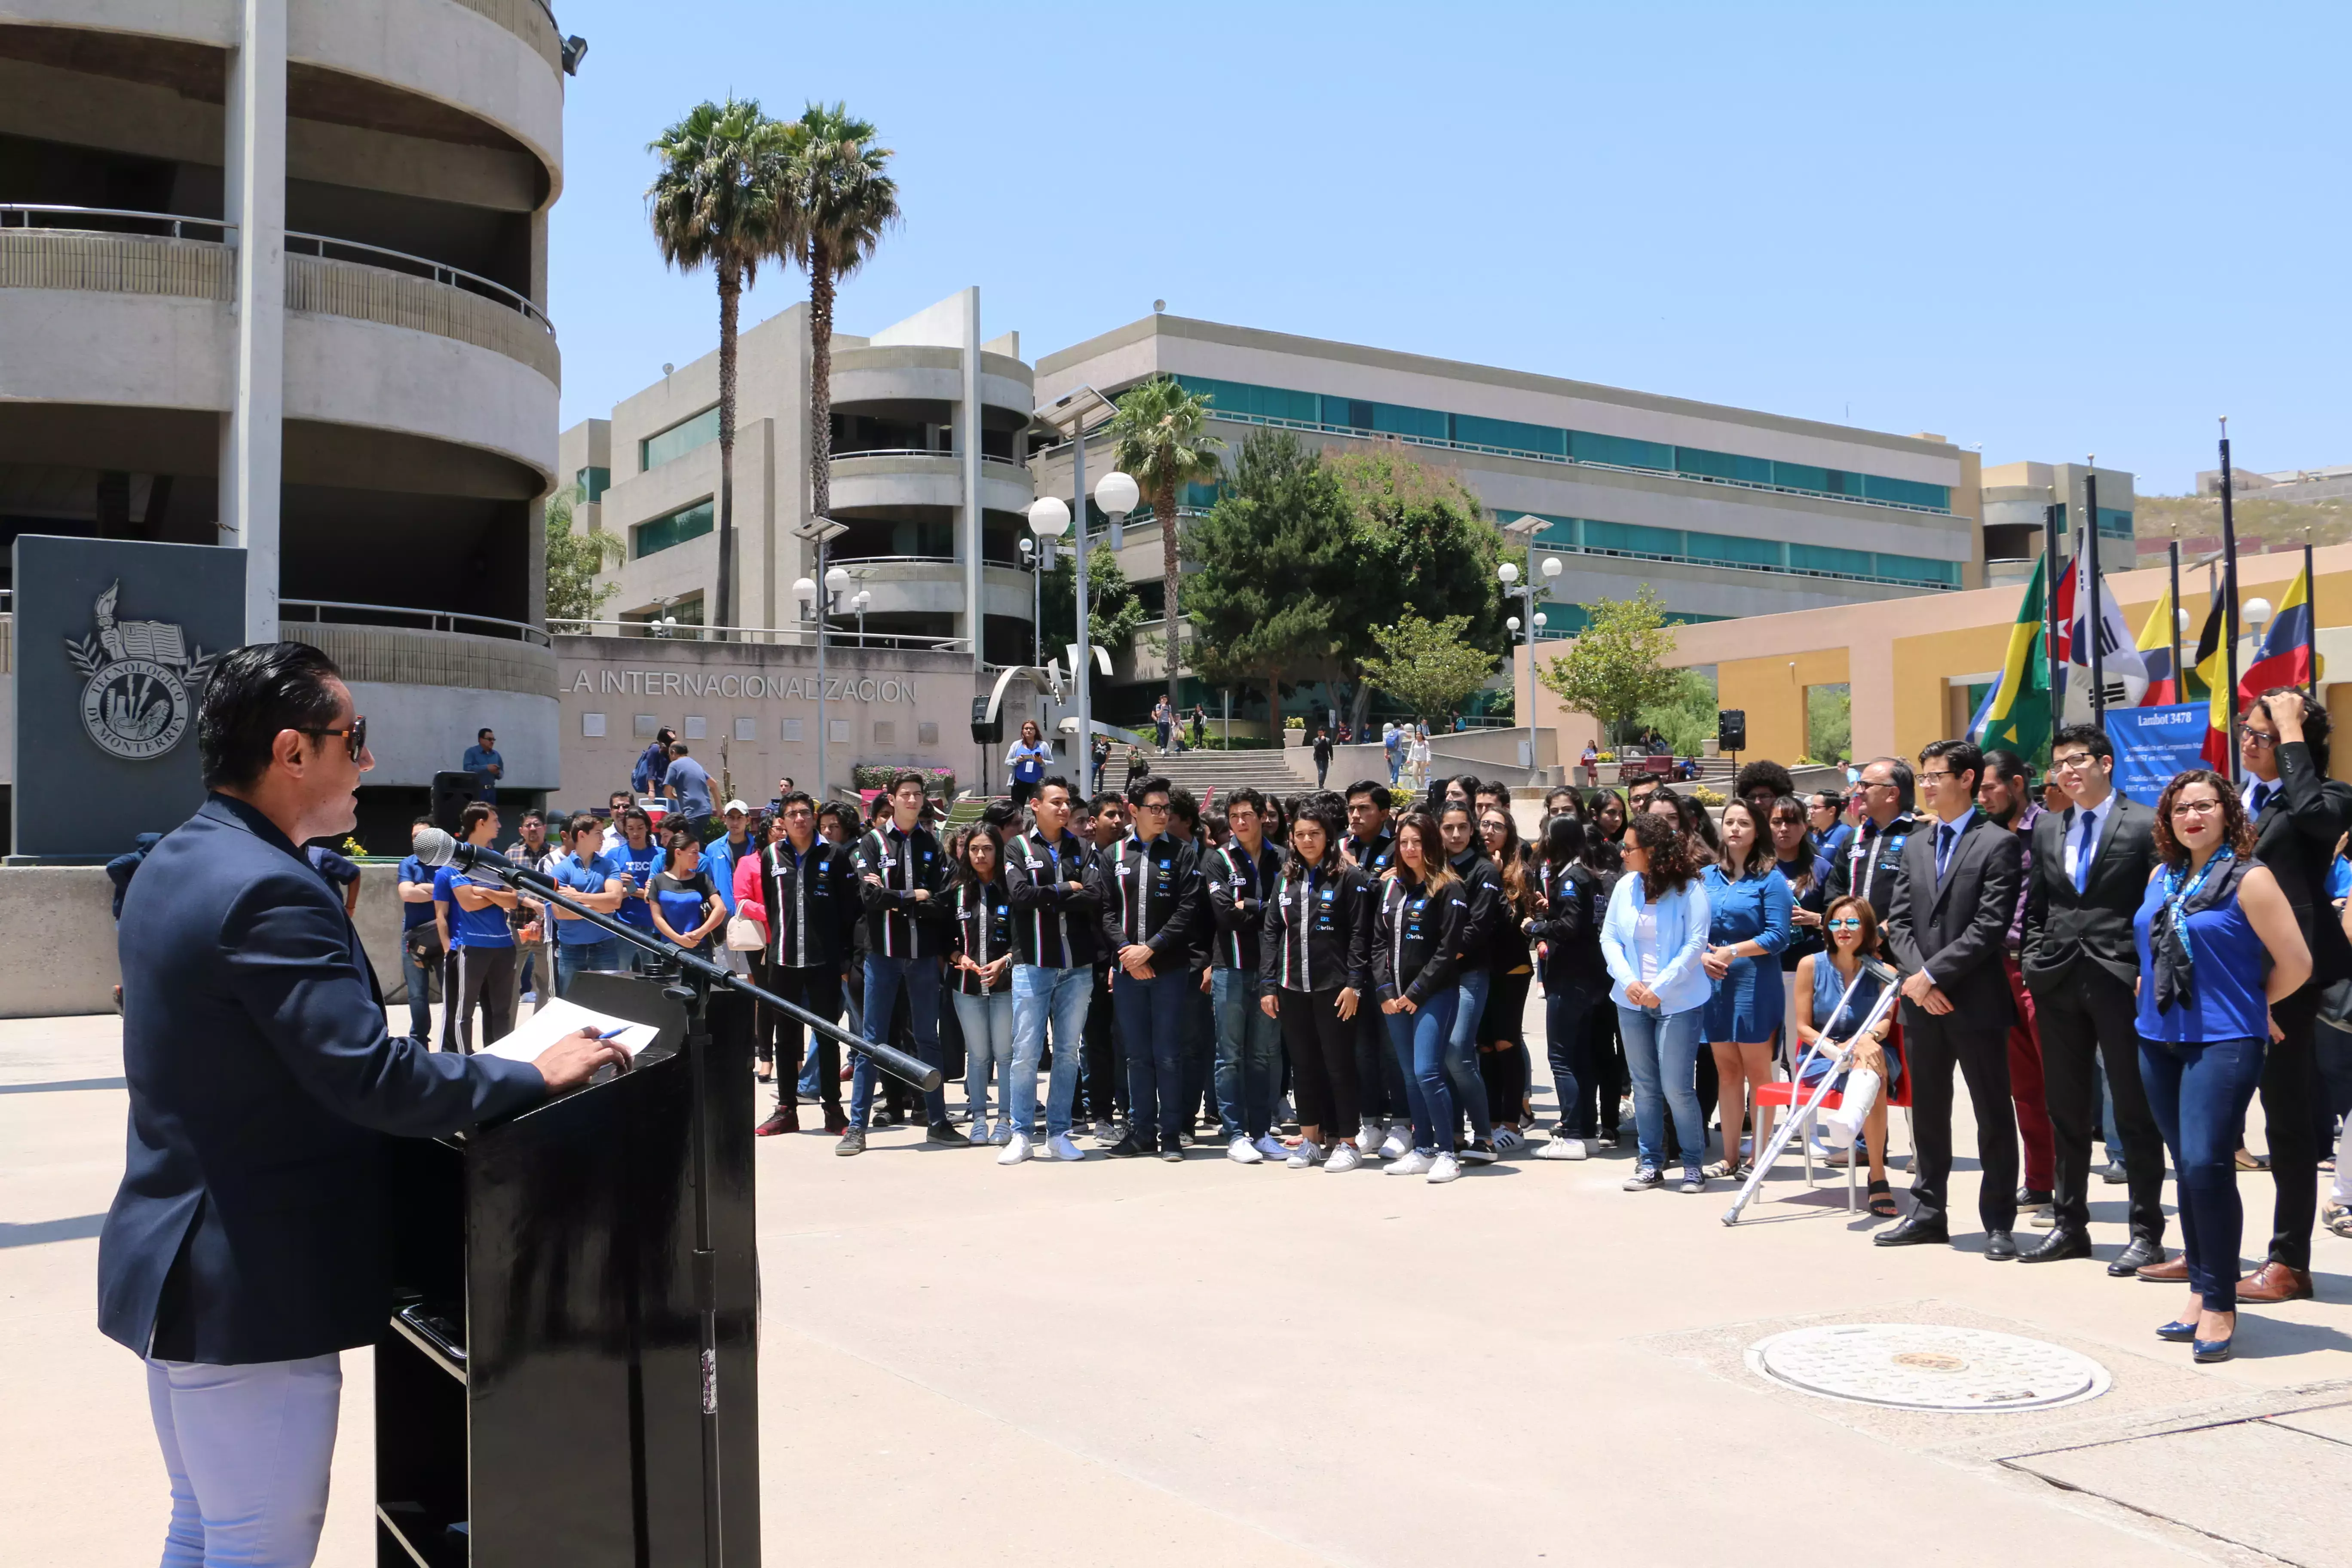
(2277, 523)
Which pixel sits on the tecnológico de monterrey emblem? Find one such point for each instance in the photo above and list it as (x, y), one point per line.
(140, 685)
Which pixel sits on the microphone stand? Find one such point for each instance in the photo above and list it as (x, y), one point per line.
(698, 976)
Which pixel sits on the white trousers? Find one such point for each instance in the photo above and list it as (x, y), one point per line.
(247, 1448)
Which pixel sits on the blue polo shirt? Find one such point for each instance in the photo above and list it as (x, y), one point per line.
(643, 865)
(414, 915)
(568, 874)
(484, 927)
(719, 864)
(693, 786)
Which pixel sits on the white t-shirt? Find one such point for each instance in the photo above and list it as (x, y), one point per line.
(1646, 941)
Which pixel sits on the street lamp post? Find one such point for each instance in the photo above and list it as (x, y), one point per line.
(1116, 495)
(819, 531)
(1533, 590)
(1036, 601)
(864, 597)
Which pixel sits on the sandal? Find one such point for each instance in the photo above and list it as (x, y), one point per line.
(2338, 1221)
(1721, 1168)
(1881, 1200)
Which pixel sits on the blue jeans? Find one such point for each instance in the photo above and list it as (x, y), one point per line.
(1662, 1051)
(2199, 1095)
(596, 957)
(1569, 1034)
(1461, 1053)
(420, 994)
(246, 1449)
(1061, 997)
(1151, 1018)
(988, 1031)
(1249, 1055)
(1420, 1039)
(882, 977)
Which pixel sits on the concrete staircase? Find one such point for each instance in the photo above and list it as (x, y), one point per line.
(1222, 771)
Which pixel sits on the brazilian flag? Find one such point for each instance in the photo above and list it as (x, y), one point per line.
(2015, 716)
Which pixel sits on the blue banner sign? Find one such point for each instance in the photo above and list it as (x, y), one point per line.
(2152, 744)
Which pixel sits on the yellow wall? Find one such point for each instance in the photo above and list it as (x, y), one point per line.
(1772, 690)
(1921, 664)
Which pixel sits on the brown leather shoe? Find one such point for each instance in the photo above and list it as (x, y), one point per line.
(2275, 1282)
(2172, 1271)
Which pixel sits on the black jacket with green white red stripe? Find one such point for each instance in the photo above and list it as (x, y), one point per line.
(1152, 894)
(1054, 926)
(892, 867)
(1318, 932)
(1238, 889)
(1417, 939)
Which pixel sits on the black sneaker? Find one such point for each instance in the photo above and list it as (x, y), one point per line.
(852, 1142)
(1478, 1153)
(945, 1133)
(1130, 1148)
(783, 1119)
(1172, 1149)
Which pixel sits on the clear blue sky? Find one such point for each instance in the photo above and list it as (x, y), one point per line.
(2052, 229)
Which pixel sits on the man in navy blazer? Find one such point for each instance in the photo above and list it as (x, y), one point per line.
(243, 1250)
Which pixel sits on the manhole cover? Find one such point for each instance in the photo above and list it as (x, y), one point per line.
(1924, 1366)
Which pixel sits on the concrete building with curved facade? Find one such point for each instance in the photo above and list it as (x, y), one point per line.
(273, 275)
(929, 481)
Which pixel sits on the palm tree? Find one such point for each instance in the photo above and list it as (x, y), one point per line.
(1162, 439)
(842, 201)
(722, 198)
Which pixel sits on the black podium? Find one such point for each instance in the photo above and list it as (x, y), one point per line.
(539, 1398)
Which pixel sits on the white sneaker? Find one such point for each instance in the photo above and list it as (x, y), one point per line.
(1003, 1133)
(1368, 1141)
(1398, 1142)
(1506, 1138)
(1273, 1148)
(1063, 1148)
(1306, 1155)
(1016, 1150)
(1562, 1147)
(1411, 1162)
(1446, 1168)
(1242, 1152)
(1344, 1157)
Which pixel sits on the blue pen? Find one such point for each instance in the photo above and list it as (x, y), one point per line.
(610, 1033)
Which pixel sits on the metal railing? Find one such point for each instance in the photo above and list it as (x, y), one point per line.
(440, 272)
(843, 634)
(339, 612)
(859, 558)
(163, 225)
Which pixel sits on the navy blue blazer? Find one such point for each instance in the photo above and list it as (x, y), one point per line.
(263, 1081)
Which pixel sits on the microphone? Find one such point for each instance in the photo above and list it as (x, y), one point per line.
(436, 849)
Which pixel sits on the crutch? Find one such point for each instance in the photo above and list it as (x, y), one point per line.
(1823, 1046)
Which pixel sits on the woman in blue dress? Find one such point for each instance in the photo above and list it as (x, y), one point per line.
(2219, 943)
(1748, 907)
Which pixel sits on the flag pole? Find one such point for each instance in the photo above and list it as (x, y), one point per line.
(2095, 621)
(2229, 597)
(2172, 562)
(2050, 610)
(2310, 616)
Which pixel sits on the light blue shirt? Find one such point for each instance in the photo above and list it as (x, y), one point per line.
(1680, 981)
(719, 864)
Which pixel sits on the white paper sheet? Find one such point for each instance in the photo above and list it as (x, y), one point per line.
(559, 1018)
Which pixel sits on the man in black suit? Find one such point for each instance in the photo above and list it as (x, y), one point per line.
(2298, 813)
(244, 1249)
(2091, 866)
(1946, 925)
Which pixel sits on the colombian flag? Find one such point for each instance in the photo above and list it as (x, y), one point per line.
(2015, 715)
(2156, 654)
(2212, 669)
(2285, 658)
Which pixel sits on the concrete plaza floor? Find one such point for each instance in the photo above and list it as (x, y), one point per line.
(1145, 1363)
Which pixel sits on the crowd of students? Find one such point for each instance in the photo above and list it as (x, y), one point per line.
(1352, 968)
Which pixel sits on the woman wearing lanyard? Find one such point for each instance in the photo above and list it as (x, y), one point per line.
(686, 908)
(1312, 956)
(2218, 944)
(1652, 938)
(1747, 925)
(1027, 759)
(980, 966)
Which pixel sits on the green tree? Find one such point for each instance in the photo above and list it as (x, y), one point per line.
(574, 560)
(1417, 533)
(1267, 559)
(1685, 716)
(1428, 665)
(721, 199)
(1160, 436)
(1829, 722)
(1114, 615)
(844, 202)
(1617, 665)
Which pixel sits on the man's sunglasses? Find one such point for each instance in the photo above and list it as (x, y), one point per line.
(354, 737)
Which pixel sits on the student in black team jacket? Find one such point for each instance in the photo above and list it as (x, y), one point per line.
(1948, 926)
(902, 873)
(1315, 966)
(1153, 916)
(1240, 878)
(803, 890)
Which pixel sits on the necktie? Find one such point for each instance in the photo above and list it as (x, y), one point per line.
(2082, 851)
(1944, 838)
(2261, 796)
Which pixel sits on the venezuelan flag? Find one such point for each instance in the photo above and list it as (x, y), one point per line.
(2015, 714)
(2285, 658)
(2156, 654)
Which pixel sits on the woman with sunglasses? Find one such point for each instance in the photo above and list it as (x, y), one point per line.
(1821, 980)
(2218, 944)
(1652, 938)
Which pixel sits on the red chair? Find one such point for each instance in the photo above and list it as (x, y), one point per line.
(1783, 1092)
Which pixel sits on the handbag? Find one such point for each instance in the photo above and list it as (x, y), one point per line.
(744, 934)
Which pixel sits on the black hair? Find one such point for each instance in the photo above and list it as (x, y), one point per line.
(1150, 785)
(2089, 735)
(840, 812)
(529, 812)
(1247, 796)
(905, 776)
(581, 822)
(1379, 792)
(1056, 781)
(482, 731)
(665, 735)
(477, 813)
(1763, 774)
(993, 834)
(256, 692)
(1564, 840)
(1000, 812)
(1104, 801)
(422, 822)
(2316, 724)
(2008, 764)
(1318, 808)
(791, 798)
(1183, 805)
(1906, 782)
(677, 748)
(1959, 756)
